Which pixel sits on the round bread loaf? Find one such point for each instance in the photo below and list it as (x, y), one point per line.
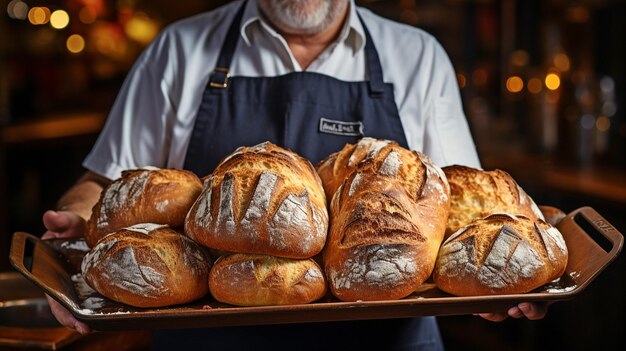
(147, 265)
(500, 254)
(261, 200)
(476, 193)
(262, 280)
(149, 195)
(387, 221)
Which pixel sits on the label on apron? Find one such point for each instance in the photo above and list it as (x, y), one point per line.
(330, 126)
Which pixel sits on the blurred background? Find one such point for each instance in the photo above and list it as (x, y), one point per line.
(544, 89)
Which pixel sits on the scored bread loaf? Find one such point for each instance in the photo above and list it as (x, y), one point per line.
(500, 254)
(262, 280)
(477, 193)
(147, 265)
(149, 195)
(261, 200)
(336, 167)
(387, 221)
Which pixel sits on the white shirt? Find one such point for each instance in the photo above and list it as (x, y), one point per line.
(151, 121)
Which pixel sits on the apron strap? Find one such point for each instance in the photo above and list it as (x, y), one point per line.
(220, 75)
(376, 82)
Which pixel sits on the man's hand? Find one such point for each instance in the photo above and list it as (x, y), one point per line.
(530, 310)
(64, 224)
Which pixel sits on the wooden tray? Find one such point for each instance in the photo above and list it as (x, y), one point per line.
(54, 265)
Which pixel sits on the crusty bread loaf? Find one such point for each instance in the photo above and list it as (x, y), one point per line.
(387, 221)
(261, 280)
(149, 195)
(500, 254)
(336, 167)
(147, 265)
(477, 193)
(261, 200)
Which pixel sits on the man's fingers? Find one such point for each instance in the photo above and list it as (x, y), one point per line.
(493, 317)
(62, 224)
(533, 311)
(515, 312)
(56, 221)
(530, 310)
(66, 318)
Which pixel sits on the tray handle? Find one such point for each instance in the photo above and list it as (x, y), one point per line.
(593, 243)
(39, 263)
(21, 254)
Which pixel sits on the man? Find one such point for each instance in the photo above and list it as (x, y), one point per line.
(307, 75)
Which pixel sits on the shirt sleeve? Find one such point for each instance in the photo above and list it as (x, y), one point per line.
(447, 136)
(135, 133)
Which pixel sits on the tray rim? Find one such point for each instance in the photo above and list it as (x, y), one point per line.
(153, 318)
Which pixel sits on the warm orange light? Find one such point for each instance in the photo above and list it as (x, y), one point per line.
(479, 77)
(39, 15)
(87, 15)
(519, 58)
(462, 80)
(577, 14)
(141, 28)
(535, 85)
(75, 43)
(561, 62)
(552, 81)
(603, 123)
(514, 84)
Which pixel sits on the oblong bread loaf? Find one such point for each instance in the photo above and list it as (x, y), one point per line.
(261, 200)
(500, 254)
(147, 265)
(262, 280)
(387, 221)
(150, 195)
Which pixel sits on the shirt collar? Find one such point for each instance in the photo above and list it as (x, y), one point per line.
(352, 32)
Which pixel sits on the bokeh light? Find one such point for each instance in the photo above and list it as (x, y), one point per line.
(17, 9)
(39, 15)
(87, 15)
(514, 84)
(552, 81)
(75, 43)
(59, 19)
(603, 123)
(534, 85)
(141, 28)
(519, 58)
(561, 62)
(462, 80)
(480, 77)
(587, 121)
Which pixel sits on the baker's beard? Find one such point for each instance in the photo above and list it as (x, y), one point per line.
(303, 16)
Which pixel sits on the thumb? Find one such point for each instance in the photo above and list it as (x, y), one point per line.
(63, 224)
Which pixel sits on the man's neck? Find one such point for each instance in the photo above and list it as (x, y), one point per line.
(306, 48)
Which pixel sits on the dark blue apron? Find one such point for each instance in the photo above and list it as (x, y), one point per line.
(310, 113)
(313, 115)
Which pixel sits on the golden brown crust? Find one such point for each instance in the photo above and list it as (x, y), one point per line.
(500, 254)
(148, 265)
(476, 193)
(161, 196)
(261, 200)
(262, 280)
(388, 220)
